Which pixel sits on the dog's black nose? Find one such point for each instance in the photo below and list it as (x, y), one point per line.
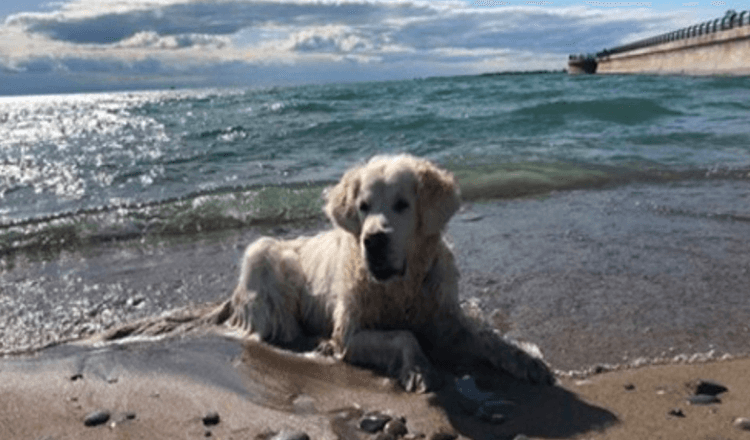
(376, 243)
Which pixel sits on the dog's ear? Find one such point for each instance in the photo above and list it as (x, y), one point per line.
(439, 197)
(341, 202)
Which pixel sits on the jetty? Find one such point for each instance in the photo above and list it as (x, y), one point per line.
(715, 47)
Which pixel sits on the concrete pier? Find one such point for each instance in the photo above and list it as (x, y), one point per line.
(717, 47)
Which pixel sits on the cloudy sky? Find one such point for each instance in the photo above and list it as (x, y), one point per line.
(85, 45)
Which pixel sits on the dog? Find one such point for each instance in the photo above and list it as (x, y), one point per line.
(380, 289)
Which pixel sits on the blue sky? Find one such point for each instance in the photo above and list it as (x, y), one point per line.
(88, 45)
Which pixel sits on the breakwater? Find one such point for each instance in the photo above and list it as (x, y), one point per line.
(716, 47)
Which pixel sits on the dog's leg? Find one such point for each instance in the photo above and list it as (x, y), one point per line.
(397, 352)
(467, 345)
(268, 295)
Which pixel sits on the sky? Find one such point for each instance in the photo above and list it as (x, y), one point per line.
(106, 45)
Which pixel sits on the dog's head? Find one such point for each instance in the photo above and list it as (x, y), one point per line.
(391, 204)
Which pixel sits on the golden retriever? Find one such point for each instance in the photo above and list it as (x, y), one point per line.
(380, 288)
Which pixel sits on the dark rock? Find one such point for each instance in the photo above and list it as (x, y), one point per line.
(373, 422)
(703, 399)
(211, 419)
(96, 418)
(76, 377)
(495, 411)
(130, 415)
(494, 419)
(677, 412)
(266, 434)
(629, 386)
(291, 435)
(742, 423)
(396, 428)
(710, 388)
(444, 436)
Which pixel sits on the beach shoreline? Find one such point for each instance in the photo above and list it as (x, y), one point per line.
(616, 276)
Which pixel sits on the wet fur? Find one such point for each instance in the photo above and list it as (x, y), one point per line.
(324, 285)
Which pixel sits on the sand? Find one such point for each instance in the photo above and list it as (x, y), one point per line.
(164, 389)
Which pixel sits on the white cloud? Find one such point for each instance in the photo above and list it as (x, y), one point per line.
(163, 37)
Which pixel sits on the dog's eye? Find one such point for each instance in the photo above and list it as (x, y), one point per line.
(401, 205)
(364, 207)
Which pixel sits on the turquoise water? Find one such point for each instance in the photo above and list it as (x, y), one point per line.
(93, 167)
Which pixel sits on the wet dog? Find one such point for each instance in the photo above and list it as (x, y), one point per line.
(381, 288)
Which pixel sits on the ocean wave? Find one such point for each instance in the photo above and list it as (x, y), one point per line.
(627, 111)
(268, 206)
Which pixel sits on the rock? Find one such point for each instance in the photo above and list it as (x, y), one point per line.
(677, 412)
(395, 428)
(291, 435)
(373, 422)
(96, 418)
(703, 399)
(212, 418)
(742, 423)
(76, 377)
(710, 388)
(495, 411)
(629, 386)
(124, 417)
(444, 436)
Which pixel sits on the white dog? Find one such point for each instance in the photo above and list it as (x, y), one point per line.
(380, 288)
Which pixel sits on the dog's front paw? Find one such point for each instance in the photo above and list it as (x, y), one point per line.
(517, 362)
(419, 379)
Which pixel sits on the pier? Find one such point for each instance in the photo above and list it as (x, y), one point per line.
(715, 47)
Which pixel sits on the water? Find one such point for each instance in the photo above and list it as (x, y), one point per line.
(77, 168)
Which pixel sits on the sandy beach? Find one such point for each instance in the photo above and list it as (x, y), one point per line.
(606, 283)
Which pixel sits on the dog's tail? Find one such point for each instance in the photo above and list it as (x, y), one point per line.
(176, 322)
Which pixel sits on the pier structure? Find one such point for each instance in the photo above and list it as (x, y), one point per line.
(715, 47)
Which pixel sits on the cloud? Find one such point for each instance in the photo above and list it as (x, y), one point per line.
(403, 37)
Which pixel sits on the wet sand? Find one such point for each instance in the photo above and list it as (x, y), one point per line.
(171, 388)
(596, 278)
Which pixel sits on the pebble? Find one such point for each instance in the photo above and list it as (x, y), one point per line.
(96, 418)
(396, 428)
(710, 388)
(629, 386)
(76, 377)
(677, 412)
(703, 399)
(130, 415)
(444, 436)
(373, 422)
(742, 423)
(291, 435)
(211, 418)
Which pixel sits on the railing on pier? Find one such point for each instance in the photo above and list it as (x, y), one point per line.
(731, 20)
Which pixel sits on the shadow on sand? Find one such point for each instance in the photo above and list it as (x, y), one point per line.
(481, 406)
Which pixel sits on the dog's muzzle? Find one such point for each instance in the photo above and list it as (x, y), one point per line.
(376, 252)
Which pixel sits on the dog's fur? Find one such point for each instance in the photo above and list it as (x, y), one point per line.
(380, 288)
